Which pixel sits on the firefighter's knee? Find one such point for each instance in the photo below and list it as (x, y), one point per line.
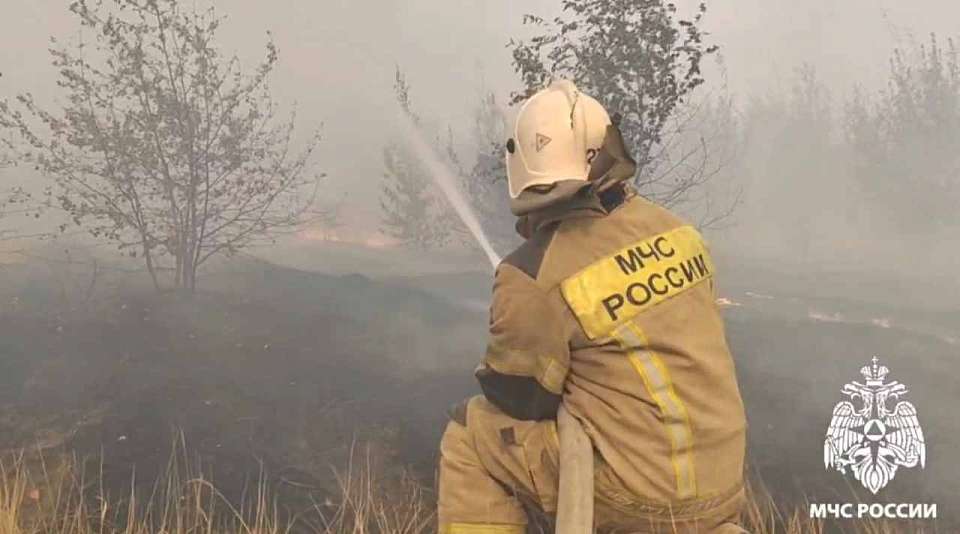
(471, 500)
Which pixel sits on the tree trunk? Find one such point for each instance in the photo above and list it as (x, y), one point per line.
(148, 258)
(190, 275)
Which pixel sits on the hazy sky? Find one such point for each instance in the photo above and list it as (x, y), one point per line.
(338, 57)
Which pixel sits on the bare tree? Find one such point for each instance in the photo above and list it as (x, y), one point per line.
(906, 140)
(794, 165)
(13, 200)
(694, 168)
(164, 145)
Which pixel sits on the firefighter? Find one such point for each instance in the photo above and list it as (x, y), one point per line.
(608, 308)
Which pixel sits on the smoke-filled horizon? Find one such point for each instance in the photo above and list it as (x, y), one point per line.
(338, 59)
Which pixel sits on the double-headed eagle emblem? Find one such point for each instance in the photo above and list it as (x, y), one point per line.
(873, 441)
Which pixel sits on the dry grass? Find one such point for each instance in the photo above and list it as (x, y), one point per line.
(46, 498)
(56, 497)
(369, 504)
(43, 497)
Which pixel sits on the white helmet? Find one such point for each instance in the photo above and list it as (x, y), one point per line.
(558, 132)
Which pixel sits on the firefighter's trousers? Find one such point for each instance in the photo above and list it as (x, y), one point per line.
(490, 463)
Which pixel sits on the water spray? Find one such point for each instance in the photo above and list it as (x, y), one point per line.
(575, 506)
(446, 181)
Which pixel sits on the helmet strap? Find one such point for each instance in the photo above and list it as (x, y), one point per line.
(612, 164)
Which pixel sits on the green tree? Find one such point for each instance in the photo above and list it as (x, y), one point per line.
(164, 146)
(415, 211)
(411, 208)
(485, 181)
(640, 59)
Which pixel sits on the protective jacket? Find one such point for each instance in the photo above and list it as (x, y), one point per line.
(611, 311)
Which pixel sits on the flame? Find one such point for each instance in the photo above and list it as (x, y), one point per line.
(332, 235)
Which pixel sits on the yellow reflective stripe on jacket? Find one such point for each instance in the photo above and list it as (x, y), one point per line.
(613, 290)
(656, 379)
(482, 528)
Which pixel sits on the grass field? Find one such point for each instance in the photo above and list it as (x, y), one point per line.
(270, 374)
(61, 498)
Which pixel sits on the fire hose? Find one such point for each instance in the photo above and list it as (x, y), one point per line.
(575, 498)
